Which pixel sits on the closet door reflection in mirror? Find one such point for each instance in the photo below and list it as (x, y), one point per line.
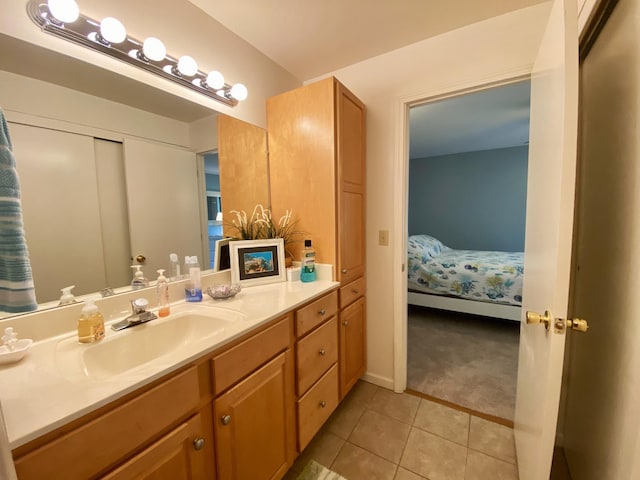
(61, 210)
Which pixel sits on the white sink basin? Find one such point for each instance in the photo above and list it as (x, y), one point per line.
(164, 340)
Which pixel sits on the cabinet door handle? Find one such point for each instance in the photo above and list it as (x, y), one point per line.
(198, 443)
(345, 323)
(323, 403)
(356, 291)
(322, 352)
(322, 312)
(225, 419)
(344, 270)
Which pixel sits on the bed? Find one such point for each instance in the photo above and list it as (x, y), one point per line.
(479, 282)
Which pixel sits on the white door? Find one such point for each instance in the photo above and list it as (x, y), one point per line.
(60, 209)
(549, 229)
(164, 214)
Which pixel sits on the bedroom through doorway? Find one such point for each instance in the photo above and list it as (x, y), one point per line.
(468, 160)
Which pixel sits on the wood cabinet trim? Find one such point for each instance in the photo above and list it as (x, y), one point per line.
(315, 354)
(315, 313)
(103, 442)
(315, 407)
(352, 291)
(242, 359)
(251, 433)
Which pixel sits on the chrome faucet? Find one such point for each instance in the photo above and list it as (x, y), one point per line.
(138, 316)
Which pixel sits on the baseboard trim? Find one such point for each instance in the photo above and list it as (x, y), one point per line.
(475, 413)
(378, 380)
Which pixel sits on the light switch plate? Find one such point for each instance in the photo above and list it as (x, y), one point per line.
(383, 237)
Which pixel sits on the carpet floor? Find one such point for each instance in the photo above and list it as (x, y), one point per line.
(467, 360)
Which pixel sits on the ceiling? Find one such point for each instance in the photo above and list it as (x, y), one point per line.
(306, 38)
(312, 38)
(484, 120)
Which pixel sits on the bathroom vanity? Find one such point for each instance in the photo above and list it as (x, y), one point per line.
(227, 390)
(238, 402)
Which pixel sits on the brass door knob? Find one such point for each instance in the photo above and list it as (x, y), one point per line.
(577, 324)
(322, 352)
(323, 404)
(560, 325)
(225, 419)
(141, 259)
(533, 318)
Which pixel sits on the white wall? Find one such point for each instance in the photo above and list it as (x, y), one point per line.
(496, 49)
(185, 30)
(602, 416)
(27, 100)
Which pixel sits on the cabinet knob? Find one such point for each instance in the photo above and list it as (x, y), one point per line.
(356, 291)
(198, 443)
(344, 270)
(345, 323)
(322, 352)
(225, 419)
(323, 403)
(322, 312)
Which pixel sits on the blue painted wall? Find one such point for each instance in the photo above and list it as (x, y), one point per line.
(471, 201)
(212, 182)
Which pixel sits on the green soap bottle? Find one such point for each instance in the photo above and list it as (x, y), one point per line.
(308, 263)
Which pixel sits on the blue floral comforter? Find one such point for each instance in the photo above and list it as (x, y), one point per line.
(474, 275)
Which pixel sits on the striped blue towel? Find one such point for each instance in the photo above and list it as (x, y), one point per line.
(17, 293)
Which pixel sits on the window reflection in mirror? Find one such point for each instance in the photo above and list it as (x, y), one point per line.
(214, 203)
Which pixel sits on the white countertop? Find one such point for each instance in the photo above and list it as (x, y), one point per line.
(39, 395)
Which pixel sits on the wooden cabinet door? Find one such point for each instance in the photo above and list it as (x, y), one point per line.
(186, 453)
(353, 359)
(255, 424)
(302, 176)
(351, 183)
(244, 168)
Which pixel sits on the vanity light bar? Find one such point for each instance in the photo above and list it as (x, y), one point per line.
(86, 32)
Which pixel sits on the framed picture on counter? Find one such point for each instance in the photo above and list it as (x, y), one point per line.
(256, 262)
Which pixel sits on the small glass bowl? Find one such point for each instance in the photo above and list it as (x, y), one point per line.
(226, 290)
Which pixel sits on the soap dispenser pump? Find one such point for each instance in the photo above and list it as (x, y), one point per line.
(67, 297)
(139, 280)
(162, 288)
(90, 323)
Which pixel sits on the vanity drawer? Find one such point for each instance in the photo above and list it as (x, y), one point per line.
(351, 292)
(309, 317)
(91, 448)
(316, 405)
(315, 353)
(237, 362)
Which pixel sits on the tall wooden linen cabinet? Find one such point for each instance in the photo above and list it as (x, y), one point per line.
(316, 138)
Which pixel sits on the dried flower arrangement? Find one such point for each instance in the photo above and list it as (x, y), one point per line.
(261, 225)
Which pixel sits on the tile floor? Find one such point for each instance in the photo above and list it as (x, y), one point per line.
(376, 434)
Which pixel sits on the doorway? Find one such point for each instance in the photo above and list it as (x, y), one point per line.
(213, 202)
(467, 177)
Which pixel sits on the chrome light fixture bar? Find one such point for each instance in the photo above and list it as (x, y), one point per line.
(109, 37)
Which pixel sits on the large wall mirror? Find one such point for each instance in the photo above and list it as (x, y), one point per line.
(113, 171)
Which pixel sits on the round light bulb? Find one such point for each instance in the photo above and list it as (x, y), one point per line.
(66, 11)
(239, 91)
(187, 66)
(154, 49)
(112, 30)
(215, 80)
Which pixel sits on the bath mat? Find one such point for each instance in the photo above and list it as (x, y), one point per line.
(315, 471)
